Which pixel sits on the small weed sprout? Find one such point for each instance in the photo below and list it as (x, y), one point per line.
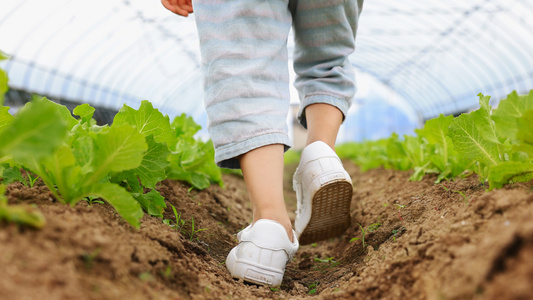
(312, 288)
(465, 197)
(91, 200)
(146, 276)
(168, 272)
(14, 174)
(326, 260)
(329, 261)
(396, 232)
(31, 179)
(88, 258)
(364, 231)
(195, 231)
(179, 222)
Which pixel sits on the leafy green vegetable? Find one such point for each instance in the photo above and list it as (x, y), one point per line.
(117, 149)
(510, 171)
(11, 175)
(468, 140)
(85, 112)
(119, 198)
(36, 139)
(192, 160)
(495, 143)
(524, 133)
(5, 118)
(185, 127)
(74, 171)
(509, 110)
(3, 79)
(152, 202)
(194, 163)
(152, 168)
(78, 159)
(148, 121)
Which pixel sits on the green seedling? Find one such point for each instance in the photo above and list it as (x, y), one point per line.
(364, 231)
(465, 197)
(396, 232)
(179, 223)
(88, 258)
(274, 289)
(327, 260)
(31, 179)
(400, 206)
(13, 174)
(312, 288)
(91, 200)
(146, 276)
(167, 273)
(193, 230)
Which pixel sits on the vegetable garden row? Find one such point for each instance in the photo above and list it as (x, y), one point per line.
(121, 163)
(497, 144)
(78, 159)
(408, 240)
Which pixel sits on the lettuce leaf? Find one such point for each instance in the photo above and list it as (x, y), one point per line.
(148, 121)
(38, 138)
(469, 141)
(509, 110)
(524, 133)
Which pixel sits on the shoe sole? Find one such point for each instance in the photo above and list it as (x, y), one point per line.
(330, 215)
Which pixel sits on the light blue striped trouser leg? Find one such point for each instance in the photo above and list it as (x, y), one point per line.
(244, 59)
(324, 33)
(243, 45)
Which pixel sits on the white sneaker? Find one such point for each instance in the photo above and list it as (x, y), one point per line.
(324, 192)
(263, 251)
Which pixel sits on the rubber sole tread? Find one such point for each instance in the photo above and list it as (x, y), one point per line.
(330, 215)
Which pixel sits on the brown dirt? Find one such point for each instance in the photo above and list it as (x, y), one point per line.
(432, 243)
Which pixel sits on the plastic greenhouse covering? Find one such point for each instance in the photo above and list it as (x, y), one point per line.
(414, 59)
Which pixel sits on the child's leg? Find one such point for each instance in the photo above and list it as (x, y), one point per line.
(324, 38)
(323, 123)
(262, 169)
(244, 59)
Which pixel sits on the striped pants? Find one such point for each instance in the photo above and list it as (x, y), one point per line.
(245, 63)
